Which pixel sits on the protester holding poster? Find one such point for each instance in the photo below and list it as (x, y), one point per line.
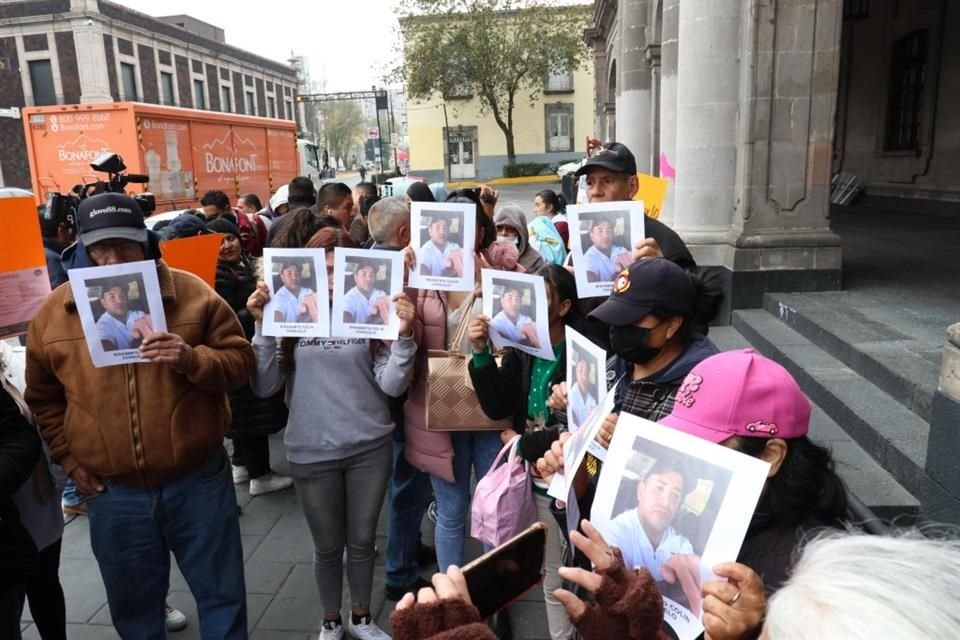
(611, 176)
(802, 492)
(504, 391)
(178, 411)
(254, 419)
(339, 431)
(676, 506)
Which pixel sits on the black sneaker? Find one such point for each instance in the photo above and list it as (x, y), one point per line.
(396, 593)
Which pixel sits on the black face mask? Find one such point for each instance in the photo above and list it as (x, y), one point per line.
(632, 343)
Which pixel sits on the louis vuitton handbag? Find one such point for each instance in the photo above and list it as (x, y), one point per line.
(452, 403)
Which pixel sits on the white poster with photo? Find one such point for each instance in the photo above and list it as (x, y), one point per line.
(677, 505)
(602, 240)
(516, 304)
(364, 283)
(444, 236)
(299, 303)
(577, 445)
(586, 378)
(119, 305)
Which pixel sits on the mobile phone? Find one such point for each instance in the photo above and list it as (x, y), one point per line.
(502, 575)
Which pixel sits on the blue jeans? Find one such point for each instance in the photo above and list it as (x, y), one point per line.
(474, 450)
(410, 494)
(132, 532)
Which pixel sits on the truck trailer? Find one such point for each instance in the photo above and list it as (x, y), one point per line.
(185, 152)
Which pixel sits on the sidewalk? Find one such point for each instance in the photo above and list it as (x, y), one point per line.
(282, 600)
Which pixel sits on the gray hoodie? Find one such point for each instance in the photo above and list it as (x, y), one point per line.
(337, 392)
(510, 215)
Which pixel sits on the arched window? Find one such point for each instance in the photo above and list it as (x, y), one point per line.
(908, 70)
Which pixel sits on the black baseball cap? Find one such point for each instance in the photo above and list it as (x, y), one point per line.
(613, 156)
(110, 215)
(652, 284)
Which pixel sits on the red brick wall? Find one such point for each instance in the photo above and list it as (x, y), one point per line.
(69, 74)
(13, 147)
(148, 74)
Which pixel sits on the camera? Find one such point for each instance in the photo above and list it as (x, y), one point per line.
(114, 166)
(62, 207)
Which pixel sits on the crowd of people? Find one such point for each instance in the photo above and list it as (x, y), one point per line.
(140, 447)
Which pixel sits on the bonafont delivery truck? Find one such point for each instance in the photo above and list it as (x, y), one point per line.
(185, 152)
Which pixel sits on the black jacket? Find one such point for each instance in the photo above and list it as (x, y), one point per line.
(19, 453)
(252, 416)
(503, 392)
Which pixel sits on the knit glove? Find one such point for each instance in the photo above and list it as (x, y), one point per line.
(451, 619)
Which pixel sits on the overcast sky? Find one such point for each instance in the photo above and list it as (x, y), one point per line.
(347, 42)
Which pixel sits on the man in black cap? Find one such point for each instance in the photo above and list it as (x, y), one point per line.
(612, 177)
(146, 438)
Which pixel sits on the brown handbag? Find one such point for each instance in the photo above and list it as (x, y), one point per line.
(452, 403)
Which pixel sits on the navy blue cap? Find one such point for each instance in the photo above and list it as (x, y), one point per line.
(651, 284)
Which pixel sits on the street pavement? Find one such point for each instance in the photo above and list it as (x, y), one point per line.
(282, 601)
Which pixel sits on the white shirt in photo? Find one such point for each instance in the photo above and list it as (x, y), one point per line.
(626, 532)
(289, 304)
(509, 329)
(358, 305)
(117, 332)
(581, 404)
(604, 266)
(433, 256)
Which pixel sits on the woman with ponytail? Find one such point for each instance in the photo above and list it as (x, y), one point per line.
(553, 205)
(339, 432)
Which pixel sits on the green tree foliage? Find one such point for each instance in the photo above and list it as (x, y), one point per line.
(343, 128)
(499, 51)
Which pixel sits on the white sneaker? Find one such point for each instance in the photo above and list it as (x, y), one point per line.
(268, 483)
(330, 631)
(240, 475)
(366, 630)
(176, 620)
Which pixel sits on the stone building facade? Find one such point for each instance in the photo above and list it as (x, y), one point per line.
(751, 107)
(84, 51)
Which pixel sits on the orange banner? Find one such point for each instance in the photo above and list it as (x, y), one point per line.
(24, 284)
(198, 255)
(653, 191)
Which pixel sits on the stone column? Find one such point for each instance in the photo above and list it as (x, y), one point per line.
(708, 68)
(780, 239)
(669, 48)
(87, 27)
(633, 103)
(944, 439)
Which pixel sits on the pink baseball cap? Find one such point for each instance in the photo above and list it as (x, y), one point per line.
(740, 393)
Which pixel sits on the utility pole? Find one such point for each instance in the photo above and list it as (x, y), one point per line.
(393, 144)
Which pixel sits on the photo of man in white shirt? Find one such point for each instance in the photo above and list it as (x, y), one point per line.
(364, 303)
(119, 327)
(604, 259)
(294, 302)
(582, 399)
(437, 255)
(645, 535)
(511, 322)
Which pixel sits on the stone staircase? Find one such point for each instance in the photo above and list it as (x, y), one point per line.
(872, 385)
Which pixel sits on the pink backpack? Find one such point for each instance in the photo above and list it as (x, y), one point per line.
(503, 503)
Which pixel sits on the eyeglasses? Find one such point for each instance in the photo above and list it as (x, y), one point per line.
(123, 248)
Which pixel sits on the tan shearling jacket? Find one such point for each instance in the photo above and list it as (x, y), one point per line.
(137, 424)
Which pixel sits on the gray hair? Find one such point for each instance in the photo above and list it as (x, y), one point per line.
(862, 586)
(385, 218)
